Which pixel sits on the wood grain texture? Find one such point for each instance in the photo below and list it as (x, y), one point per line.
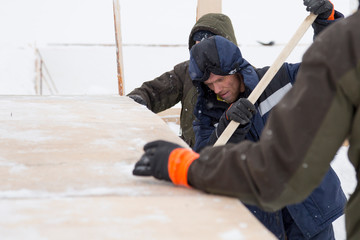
(66, 173)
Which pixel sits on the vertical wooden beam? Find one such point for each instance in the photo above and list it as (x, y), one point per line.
(119, 58)
(208, 6)
(41, 78)
(37, 74)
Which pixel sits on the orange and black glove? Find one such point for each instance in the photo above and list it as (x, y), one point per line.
(165, 161)
(323, 8)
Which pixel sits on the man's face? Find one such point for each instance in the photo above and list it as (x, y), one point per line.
(226, 87)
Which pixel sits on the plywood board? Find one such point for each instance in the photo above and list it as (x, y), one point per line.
(66, 173)
(171, 115)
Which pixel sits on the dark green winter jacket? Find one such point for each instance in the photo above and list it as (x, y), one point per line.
(302, 135)
(176, 86)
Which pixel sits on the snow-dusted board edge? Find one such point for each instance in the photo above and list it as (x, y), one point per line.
(65, 172)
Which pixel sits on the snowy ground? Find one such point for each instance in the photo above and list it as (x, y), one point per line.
(347, 175)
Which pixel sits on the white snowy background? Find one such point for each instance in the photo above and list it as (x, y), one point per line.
(76, 42)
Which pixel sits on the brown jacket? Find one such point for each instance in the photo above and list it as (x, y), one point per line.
(176, 85)
(302, 135)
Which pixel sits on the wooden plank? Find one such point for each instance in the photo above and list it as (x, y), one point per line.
(171, 115)
(269, 75)
(208, 6)
(66, 173)
(118, 41)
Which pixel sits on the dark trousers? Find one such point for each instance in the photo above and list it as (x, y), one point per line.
(293, 232)
(282, 225)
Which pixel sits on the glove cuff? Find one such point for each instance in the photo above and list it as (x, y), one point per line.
(332, 15)
(138, 99)
(180, 160)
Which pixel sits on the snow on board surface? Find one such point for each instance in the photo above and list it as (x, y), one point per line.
(65, 169)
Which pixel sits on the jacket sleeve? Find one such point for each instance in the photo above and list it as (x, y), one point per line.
(292, 70)
(164, 91)
(302, 135)
(202, 132)
(202, 125)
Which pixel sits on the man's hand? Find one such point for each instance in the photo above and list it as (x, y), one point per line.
(323, 8)
(154, 162)
(237, 136)
(241, 111)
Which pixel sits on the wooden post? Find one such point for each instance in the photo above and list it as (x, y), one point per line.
(208, 6)
(41, 79)
(37, 75)
(119, 58)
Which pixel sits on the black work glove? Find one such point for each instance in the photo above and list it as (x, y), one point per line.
(241, 111)
(322, 8)
(236, 137)
(138, 99)
(154, 162)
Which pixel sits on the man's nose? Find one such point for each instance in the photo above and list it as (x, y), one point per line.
(217, 88)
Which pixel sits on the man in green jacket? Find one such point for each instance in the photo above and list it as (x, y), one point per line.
(174, 86)
(301, 137)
